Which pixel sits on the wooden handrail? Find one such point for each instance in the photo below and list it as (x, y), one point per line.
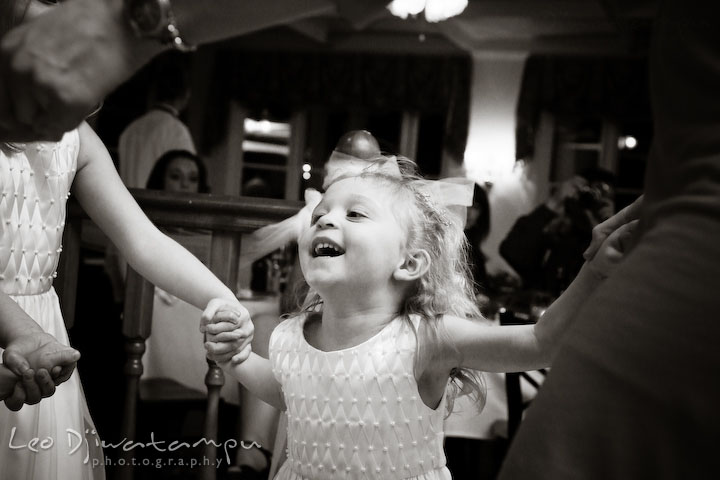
(206, 211)
(226, 218)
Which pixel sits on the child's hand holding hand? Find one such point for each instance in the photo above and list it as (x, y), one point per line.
(40, 363)
(41, 351)
(228, 331)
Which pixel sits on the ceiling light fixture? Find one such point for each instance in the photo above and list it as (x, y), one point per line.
(435, 10)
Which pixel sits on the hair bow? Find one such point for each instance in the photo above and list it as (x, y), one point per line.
(455, 194)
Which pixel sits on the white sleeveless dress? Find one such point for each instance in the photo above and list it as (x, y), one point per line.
(34, 187)
(356, 413)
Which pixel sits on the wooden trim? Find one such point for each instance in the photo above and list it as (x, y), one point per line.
(609, 139)
(409, 131)
(227, 217)
(206, 211)
(296, 158)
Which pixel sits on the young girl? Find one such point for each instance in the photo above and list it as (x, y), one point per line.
(35, 181)
(363, 371)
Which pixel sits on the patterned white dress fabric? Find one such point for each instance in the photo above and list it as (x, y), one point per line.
(35, 182)
(356, 413)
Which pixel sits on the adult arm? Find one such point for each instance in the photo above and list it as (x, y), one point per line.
(55, 69)
(14, 322)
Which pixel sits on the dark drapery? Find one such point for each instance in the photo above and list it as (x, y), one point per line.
(573, 86)
(287, 81)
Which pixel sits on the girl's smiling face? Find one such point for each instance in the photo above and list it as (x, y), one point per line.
(354, 239)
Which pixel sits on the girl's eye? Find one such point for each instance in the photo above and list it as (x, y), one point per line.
(355, 214)
(315, 218)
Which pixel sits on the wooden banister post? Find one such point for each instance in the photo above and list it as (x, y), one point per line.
(227, 217)
(224, 251)
(137, 323)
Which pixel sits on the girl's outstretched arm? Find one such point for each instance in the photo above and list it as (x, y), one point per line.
(256, 375)
(152, 254)
(515, 348)
(529, 347)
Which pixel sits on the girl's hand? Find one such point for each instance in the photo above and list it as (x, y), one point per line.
(613, 249)
(228, 347)
(228, 331)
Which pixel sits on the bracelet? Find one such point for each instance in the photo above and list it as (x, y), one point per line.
(173, 37)
(154, 19)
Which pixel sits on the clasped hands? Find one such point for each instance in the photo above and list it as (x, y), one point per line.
(40, 363)
(228, 331)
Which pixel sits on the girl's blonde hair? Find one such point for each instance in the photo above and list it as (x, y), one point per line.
(446, 288)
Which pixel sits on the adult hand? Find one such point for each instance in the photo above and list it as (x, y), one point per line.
(602, 230)
(40, 351)
(55, 68)
(32, 387)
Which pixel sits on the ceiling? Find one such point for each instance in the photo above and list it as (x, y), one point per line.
(554, 27)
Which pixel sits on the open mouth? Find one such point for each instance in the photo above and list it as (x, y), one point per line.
(323, 247)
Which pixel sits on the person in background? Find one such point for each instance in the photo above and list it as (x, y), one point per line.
(160, 129)
(179, 171)
(477, 229)
(546, 246)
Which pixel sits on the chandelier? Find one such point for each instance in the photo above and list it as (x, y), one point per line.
(435, 10)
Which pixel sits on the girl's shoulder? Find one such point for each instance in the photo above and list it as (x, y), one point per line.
(288, 328)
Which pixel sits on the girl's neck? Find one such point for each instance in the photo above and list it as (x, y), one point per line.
(352, 313)
(344, 326)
